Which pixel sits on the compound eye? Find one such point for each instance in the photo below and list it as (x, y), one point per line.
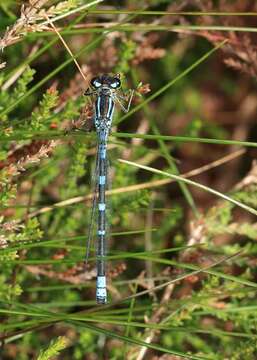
(96, 83)
(115, 84)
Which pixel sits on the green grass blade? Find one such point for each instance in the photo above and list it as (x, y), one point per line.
(191, 182)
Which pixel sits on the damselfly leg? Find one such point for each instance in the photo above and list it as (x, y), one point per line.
(120, 98)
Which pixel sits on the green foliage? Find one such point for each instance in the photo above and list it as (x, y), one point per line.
(219, 220)
(9, 292)
(8, 190)
(9, 98)
(54, 349)
(127, 53)
(44, 111)
(23, 82)
(247, 351)
(86, 345)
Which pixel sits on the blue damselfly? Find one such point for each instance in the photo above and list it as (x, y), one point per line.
(106, 91)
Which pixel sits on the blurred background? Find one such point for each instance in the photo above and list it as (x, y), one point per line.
(193, 65)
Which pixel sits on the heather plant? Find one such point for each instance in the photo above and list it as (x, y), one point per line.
(183, 205)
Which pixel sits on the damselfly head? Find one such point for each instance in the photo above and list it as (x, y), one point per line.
(108, 81)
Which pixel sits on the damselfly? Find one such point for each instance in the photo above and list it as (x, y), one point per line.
(106, 91)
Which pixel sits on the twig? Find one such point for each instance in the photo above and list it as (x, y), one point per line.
(67, 48)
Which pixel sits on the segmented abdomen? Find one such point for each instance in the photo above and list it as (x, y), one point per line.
(104, 109)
